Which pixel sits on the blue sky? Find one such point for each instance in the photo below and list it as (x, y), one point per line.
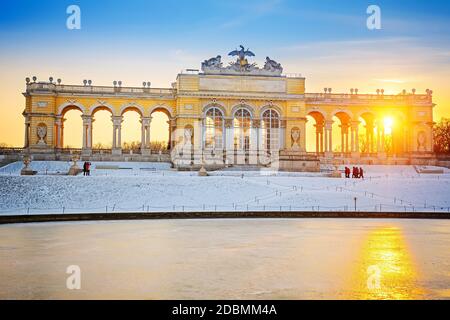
(142, 40)
(219, 23)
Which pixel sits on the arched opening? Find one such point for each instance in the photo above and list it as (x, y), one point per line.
(367, 134)
(341, 133)
(213, 129)
(72, 127)
(160, 130)
(395, 134)
(242, 129)
(101, 129)
(315, 132)
(131, 131)
(270, 126)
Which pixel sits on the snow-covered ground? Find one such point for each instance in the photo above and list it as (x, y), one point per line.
(132, 186)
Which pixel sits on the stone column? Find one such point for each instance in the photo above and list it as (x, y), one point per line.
(145, 135)
(59, 127)
(371, 135)
(405, 139)
(319, 137)
(229, 141)
(117, 135)
(172, 134)
(381, 139)
(355, 138)
(329, 138)
(302, 125)
(378, 138)
(254, 133)
(27, 133)
(87, 135)
(346, 139)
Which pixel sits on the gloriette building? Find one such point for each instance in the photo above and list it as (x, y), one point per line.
(236, 114)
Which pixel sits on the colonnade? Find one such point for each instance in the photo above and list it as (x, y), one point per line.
(350, 138)
(88, 121)
(375, 136)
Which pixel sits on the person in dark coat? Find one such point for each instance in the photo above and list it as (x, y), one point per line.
(361, 173)
(84, 168)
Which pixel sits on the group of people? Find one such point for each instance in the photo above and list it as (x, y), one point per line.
(357, 173)
(86, 168)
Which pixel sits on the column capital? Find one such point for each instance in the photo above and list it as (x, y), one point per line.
(117, 120)
(59, 121)
(146, 121)
(319, 126)
(355, 124)
(87, 120)
(329, 124)
(228, 123)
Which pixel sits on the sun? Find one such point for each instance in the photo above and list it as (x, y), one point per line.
(388, 124)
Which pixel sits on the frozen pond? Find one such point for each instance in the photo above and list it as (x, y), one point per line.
(228, 259)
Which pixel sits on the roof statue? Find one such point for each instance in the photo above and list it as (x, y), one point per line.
(241, 65)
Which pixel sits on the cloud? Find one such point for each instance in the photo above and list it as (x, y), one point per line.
(251, 11)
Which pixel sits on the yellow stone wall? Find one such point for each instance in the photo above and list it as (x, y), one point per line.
(196, 92)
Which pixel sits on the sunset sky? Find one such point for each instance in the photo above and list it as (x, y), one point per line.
(136, 40)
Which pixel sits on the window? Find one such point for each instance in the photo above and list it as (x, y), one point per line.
(271, 130)
(214, 129)
(242, 127)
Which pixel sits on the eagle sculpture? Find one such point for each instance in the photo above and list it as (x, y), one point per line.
(241, 54)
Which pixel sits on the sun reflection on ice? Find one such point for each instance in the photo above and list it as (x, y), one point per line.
(386, 251)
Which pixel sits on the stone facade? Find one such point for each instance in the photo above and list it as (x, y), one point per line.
(240, 114)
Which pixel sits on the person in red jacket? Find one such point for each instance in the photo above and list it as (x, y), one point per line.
(361, 173)
(88, 168)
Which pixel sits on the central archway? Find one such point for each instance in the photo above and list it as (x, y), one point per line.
(160, 129)
(131, 131)
(71, 127)
(101, 128)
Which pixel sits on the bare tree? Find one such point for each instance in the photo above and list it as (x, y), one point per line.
(441, 133)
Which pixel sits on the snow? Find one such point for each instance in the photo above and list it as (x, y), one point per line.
(135, 186)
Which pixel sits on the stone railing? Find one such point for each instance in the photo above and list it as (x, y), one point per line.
(10, 150)
(368, 98)
(101, 90)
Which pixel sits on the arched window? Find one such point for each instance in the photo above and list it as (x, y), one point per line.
(214, 129)
(271, 130)
(242, 127)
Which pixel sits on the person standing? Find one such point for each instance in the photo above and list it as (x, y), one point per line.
(361, 173)
(84, 168)
(88, 168)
